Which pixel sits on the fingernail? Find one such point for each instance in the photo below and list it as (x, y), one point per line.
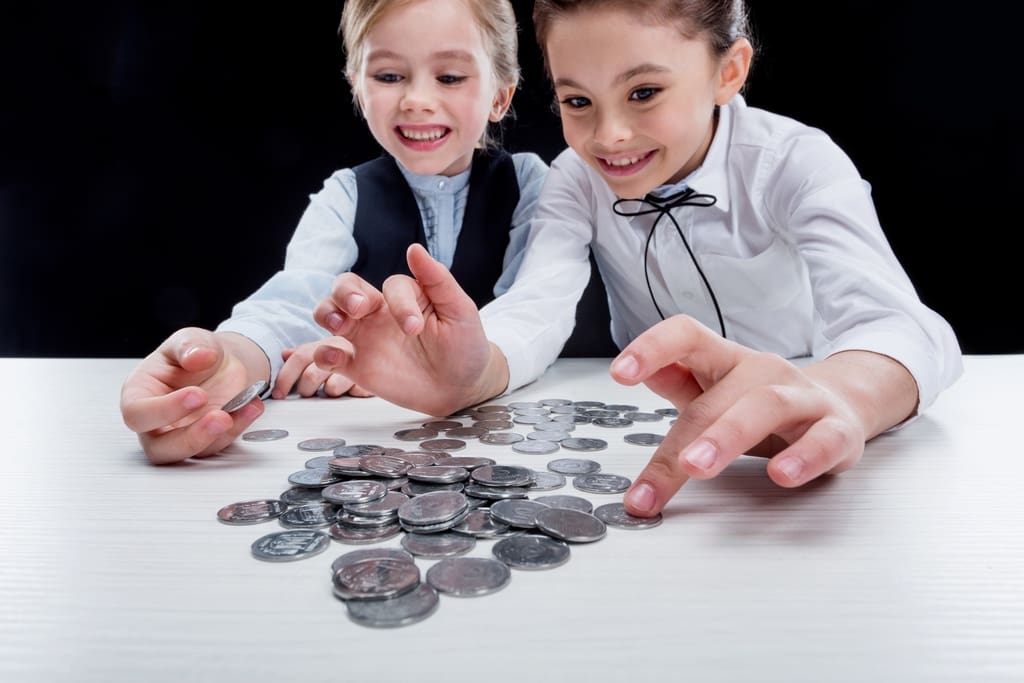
(641, 497)
(700, 454)
(331, 356)
(193, 400)
(353, 302)
(410, 324)
(334, 322)
(792, 467)
(626, 367)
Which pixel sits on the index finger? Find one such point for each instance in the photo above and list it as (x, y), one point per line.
(679, 339)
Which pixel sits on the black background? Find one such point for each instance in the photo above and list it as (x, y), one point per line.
(157, 156)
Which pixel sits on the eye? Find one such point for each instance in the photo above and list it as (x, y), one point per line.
(387, 77)
(450, 79)
(575, 102)
(642, 94)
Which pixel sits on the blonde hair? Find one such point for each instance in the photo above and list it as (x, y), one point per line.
(495, 19)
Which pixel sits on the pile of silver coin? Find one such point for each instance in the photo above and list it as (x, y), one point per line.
(442, 504)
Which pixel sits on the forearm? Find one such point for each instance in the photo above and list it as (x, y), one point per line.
(248, 353)
(879, 389)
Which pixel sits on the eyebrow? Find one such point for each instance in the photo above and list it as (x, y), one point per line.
(639, 70)
(447, 55)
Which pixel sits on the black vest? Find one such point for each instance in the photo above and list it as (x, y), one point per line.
(388, 220)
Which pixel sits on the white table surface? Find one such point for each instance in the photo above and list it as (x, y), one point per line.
(909, 567)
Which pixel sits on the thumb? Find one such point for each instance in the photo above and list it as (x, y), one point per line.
(437, 282)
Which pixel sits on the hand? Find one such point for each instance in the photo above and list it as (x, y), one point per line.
(733, 400)
(301, 373)
(172, 398)
(419, 343)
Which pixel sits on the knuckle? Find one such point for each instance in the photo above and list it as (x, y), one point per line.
(699, 413)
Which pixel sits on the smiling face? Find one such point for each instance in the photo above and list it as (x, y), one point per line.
(426, 85)
(637, 99)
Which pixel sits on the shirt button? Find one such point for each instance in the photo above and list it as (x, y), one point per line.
(441, 184)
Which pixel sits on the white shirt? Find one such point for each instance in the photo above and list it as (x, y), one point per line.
(279, 314)
(792, 249)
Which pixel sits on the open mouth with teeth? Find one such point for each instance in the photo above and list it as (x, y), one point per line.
(422, 138)
(625, 165)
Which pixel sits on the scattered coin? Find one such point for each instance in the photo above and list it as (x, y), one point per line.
(434, 546)
(251, 511)
(287, 546)
(614, 514)
(468, 576)
(321, 444)
(501, 438)
(531, 552)
(571, 525)
(574, 466)
(577, 444)
(443, 445)
(535, 446)
(644, 439)
(265, 435)
(601, 482)
(410, 608)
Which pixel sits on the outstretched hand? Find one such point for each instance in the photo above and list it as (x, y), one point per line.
(418, 342)
(733, 401)
(172, 398)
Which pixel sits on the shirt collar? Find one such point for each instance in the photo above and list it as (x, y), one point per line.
(436, 184)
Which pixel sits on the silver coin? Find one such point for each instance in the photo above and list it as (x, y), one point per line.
(251, 511)
(369, 554)
(501, 438)
(468, 462)
(320, 462)
(242, 398)
(611, 422)
(354, 491)
(434, 546)
(418, 488)
(443, 445)
(302, 495)
(375, 579)
(496, 492)
(503, 475)
(389, 466)
(556, 426)
(535, 447)
(466, 432)
(644, 439)
(572, 526)
(601, 482)
(415, 434)
(551, 402)
(614, 514)
(643, 417)
(480, 524)
(312, 478)
(667, 412)
(492, 409)
(468, 576)
(576, 444)
(569, 502)
(552, 436)
(517, 512)
(598, 413)
(290, 545)
(566, 409)
(530, 410)
(588, 404)
(438, 474)
(321, 444)
(353, 535)
(494, 425)
(360, 450)
(525, 405)
(574, 466)
(417, 458)
(348, 519)
(547, 481)
(432, 508)
(435, 527)
(265, 435)
(491, 416)
(406, 609)
(441, 425)
(621, 407)
(310, 516)
(382, 507)
(351, 465)
(531, 552)
(530, 419)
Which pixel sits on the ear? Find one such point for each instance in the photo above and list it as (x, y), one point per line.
(733, 70)
(357, 92)
(502, 101)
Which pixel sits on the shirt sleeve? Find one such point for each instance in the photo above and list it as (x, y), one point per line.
(863, 298)
(532, 321)
(279, 315)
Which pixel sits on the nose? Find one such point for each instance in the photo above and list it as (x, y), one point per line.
(611, 128)
(419, 95)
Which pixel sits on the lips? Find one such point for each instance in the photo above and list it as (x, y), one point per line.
(624, 164)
